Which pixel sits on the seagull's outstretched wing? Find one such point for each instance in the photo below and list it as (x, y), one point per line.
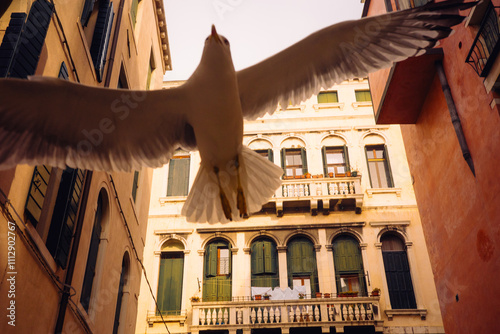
(59, 123)
(343, 51)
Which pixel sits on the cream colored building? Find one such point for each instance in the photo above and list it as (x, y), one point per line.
(343, 223)
(72, 240)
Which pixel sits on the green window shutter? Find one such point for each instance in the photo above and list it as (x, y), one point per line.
(178, 177)
(212, 261)
(230, 261)
(162, 295)
(304, 160)
(175, 280)
(283, 160)
(390, 181)
(257, 258)
(346, 159)
(269, 257)
(363, 96)
(270, 154)
(325, 162)
(148, 80)
(133, 11)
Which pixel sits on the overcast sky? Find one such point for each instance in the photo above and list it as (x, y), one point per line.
(256, 29)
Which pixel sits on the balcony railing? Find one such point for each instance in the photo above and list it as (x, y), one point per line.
(346, 190)
(485, 48)
(286, 313)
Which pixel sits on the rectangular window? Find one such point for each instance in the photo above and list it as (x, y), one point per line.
(349, 283)
(178, 176)
(378, 166)
(266, 154)
(363, 96)
(328, 97)
(335, 161)
(294, 162)
(133, 11)
(223, 261)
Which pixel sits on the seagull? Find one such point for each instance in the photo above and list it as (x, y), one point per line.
(65, 124)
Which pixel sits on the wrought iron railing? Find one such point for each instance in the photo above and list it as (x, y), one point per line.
(486, 44)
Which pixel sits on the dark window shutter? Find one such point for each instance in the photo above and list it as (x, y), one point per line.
(24, 57)
(64, 216)
(346, 159)
(325, 162)
(9, 46)
(303, 155)
(170, 282)
(87, 10)
(390, 181)
(368, 165)
(269, 257)
(36, 194)
(399, 283)
(257, 258)
(95, 240)
(388, 5)
(100, 40)
(135, 184)
(63, 72)
(119, 299)
(270, 154)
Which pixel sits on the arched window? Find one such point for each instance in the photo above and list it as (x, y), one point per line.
(301, 261)
(264, 261)
(217, 271)
(95, 240)
(349, 272)
(169, 296)
(121, 285)
(397, 272)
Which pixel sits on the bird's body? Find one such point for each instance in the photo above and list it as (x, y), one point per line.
(59, 123)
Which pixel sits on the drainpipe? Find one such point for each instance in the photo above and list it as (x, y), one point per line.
(113, 46)
(455, 119)
(74, 251)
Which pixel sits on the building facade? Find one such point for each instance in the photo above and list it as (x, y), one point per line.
(447, 101)
(72, 240)
(343, 225)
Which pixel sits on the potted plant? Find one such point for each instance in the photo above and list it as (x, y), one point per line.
(348, 294)
(257, 297)
(326, 295)
(330, 174)
(301, 296)
(319, 294)
(195, 299)
(308, 175)
(266, 296)
(375, 292)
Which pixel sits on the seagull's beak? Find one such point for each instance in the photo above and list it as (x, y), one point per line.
(215, 35)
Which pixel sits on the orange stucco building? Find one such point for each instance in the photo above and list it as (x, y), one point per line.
(447, 102)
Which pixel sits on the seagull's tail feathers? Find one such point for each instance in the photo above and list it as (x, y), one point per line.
(259, 179)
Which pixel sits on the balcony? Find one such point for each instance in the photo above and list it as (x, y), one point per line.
(485, 48)
(285, 314)
(318, 195)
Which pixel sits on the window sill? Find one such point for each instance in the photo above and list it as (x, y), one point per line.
(356, 105)
(40, 245)
(339, 105)
(406, 312)
(172, 199)
(181, 319)
(372, 191)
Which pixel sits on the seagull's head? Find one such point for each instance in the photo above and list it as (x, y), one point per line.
(215, 39)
